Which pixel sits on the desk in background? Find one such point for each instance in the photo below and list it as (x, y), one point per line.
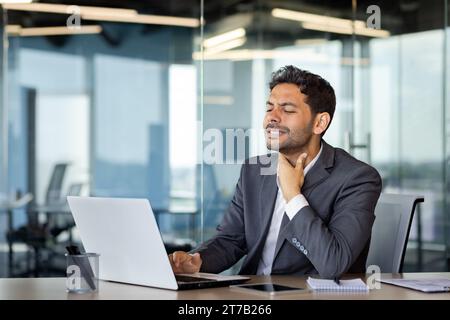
(179, 210)
(7, 205)
(54, 289)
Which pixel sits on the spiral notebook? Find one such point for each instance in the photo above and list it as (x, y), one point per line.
(356, 285)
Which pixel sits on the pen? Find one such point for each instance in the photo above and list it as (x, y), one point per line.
(336, 280)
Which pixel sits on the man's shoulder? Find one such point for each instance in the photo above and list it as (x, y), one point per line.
(346, 162)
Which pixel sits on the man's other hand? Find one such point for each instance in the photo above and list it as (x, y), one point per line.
(183, 262)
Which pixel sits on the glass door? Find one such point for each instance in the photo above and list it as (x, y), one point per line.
(399, 112)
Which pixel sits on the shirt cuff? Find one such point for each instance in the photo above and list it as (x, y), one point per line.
(294, 205)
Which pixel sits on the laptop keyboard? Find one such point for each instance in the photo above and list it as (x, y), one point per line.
(192, 279)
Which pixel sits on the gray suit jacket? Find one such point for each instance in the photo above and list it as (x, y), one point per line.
(331, 236)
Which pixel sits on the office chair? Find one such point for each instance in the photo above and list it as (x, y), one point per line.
(35, 235)
(64, 222)
(393, 217)
(9, 206)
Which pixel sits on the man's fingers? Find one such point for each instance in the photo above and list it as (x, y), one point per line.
(173, 265)
(301, 161)
(194, 264)
(183, 262)
(196, 260)
(180, 257)
(175, 259)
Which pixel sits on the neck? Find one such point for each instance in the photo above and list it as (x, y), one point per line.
(311, 149)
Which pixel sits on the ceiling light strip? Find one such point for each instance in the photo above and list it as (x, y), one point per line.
(224, 37)
(329, 24)
(105, 14)
(57, 31)
(145, 19)
(68, 9)
(358, 31)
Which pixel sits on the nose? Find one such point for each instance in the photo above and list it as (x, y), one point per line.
(273, 116)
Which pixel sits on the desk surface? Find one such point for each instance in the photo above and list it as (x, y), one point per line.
(54, 289)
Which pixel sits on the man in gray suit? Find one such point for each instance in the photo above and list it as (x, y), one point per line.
(314, 214)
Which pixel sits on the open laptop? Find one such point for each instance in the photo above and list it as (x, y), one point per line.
(125, 234)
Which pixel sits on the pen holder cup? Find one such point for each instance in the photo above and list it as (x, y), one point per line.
(82, 272)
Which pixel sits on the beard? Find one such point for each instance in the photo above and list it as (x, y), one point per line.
(295, 141)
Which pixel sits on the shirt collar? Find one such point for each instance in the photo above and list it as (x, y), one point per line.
(313, 161)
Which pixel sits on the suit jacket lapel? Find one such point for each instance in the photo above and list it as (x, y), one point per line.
(319, 171)
(268, 197)
(280, 239)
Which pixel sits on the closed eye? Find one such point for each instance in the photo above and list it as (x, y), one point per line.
(269, 106)
(289, 107)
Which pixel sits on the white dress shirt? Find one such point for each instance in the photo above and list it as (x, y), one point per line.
(291, 208)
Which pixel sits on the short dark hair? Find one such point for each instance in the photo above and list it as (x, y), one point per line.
(319, 93)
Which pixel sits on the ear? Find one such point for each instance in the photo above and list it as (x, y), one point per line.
(321, 122)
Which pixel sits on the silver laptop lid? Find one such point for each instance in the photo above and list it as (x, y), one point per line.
(125, 234)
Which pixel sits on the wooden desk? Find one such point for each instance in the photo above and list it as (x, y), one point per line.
(54, 289)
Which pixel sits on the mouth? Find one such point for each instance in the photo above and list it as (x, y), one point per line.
(274, 133)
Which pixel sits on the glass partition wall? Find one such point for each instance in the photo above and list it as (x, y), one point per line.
(116, 104)
(97, 101)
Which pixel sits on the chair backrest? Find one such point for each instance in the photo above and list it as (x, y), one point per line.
(75, 189)
(393, 217)
(54, 188)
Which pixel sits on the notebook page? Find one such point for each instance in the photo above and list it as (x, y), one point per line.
(344, 285)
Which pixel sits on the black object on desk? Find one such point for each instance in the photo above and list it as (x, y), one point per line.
(85, 267)
(337, 281)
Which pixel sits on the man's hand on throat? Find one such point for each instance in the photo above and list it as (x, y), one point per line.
(291, 178)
